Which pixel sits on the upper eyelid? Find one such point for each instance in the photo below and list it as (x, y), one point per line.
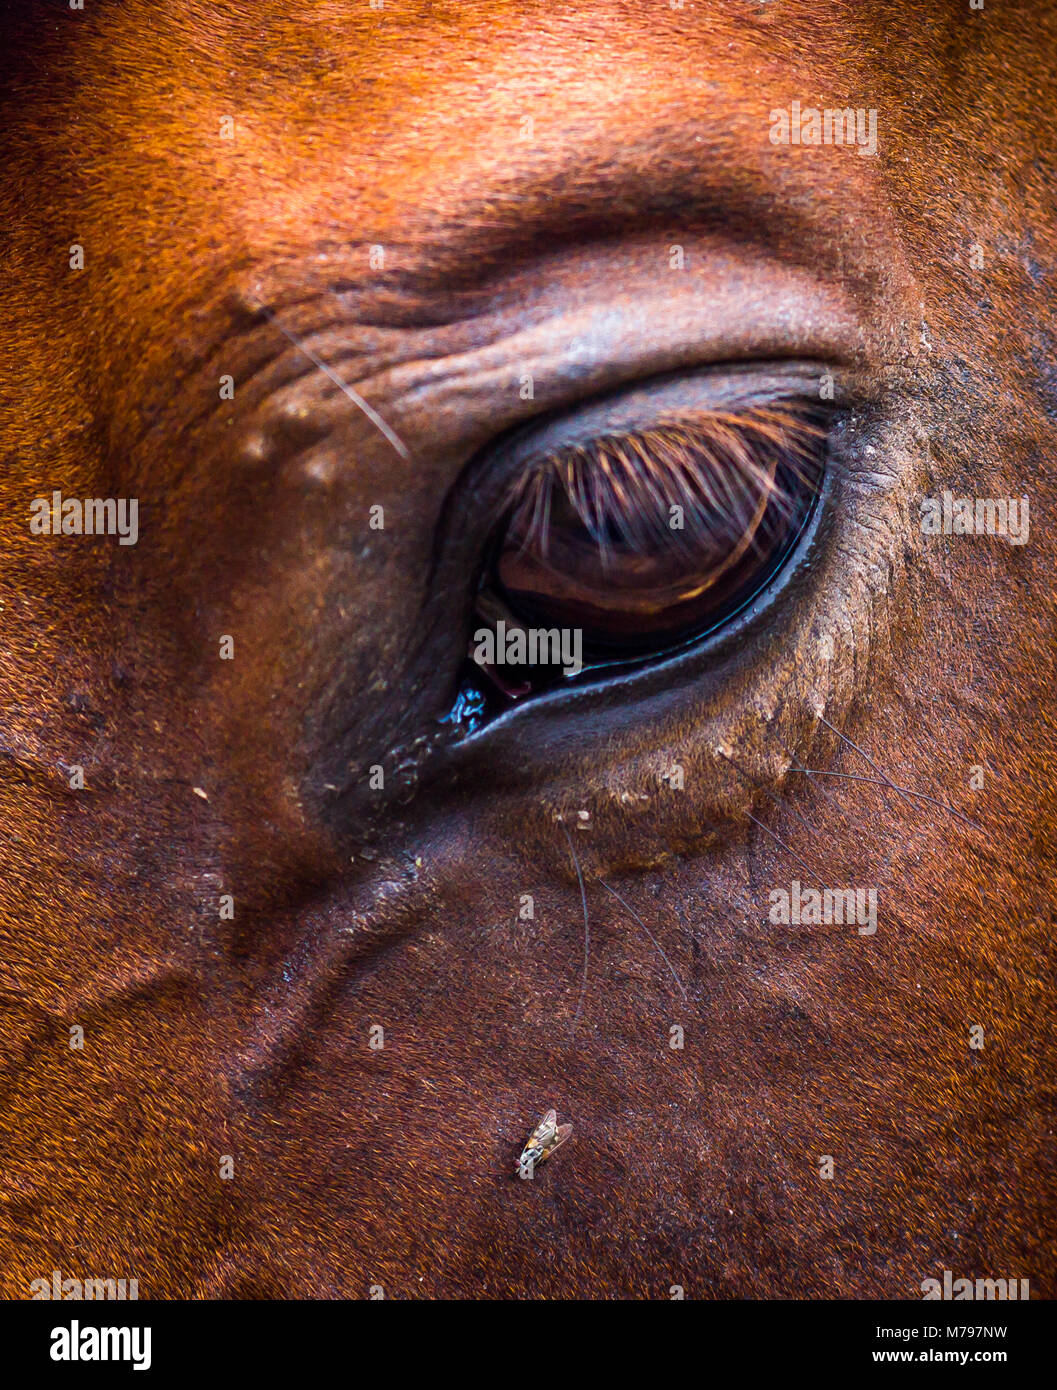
(726, 388)
(574, 340)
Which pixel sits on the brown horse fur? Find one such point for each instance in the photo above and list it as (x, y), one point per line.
(522, 165)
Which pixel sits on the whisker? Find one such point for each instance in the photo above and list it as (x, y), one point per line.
(350, 391)
(904, 791)
(587, 925)
(794, 766)
(756, 782)
(657, 945)
(803, 864)
(879, 782)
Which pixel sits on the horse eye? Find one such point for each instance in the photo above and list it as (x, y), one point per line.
(627, 546)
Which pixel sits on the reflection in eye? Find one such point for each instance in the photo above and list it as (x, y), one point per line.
(641, 542)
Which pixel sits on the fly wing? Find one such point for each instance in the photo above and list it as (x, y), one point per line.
(544, 1131)
(560, 1135)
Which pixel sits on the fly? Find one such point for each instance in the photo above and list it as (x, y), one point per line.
(544, 1139)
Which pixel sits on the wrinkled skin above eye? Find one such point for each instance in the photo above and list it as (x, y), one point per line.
(311, 923)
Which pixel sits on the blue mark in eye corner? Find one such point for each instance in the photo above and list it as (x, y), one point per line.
(467, 714)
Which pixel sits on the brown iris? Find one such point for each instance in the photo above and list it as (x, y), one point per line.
(640, 540)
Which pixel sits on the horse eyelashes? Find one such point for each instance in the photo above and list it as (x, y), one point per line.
(694, 486)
